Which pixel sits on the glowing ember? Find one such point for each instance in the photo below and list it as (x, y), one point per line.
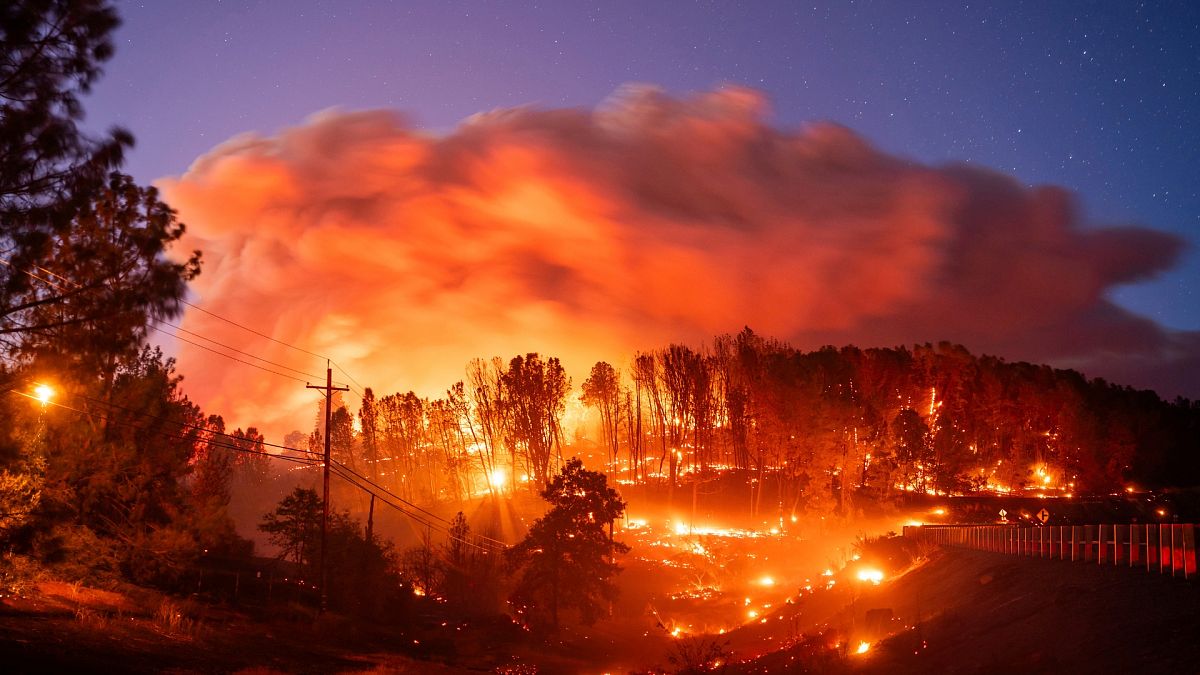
(862, 648)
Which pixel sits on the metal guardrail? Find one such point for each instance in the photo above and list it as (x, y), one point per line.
(1162, 548)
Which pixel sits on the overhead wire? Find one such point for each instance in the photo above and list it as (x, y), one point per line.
(200, 336)
(345, 472)
(230, 446)
(309, 458)
(376, 485)
(387, 498)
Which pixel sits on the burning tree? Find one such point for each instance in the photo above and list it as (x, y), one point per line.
(567, 559)
(536, 393)
(602, 390)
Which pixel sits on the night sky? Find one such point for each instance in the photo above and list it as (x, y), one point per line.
(1100, 98)
(590, 219)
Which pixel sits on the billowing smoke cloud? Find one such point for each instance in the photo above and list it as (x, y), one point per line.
(589, 234)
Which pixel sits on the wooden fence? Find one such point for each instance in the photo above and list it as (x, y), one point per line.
(1161, 548)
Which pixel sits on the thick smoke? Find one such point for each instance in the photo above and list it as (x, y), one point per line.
(588, 234)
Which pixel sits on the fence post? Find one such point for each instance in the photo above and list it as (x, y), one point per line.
(1164, 548)
(1103, 533)
(1177, 567)
(1189, 550)
(1135, 544)
(1120, 544)
(1152, 547)
(1089, 543)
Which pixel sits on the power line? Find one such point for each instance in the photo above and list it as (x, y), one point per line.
(346, 473)
(377, 486)
(108, 418)
(251, 330)
(234, 358)
(9, 264)
(230, 348)
(361, 388)
(350, 477)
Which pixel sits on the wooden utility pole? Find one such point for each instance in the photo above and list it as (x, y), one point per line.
(329, 389)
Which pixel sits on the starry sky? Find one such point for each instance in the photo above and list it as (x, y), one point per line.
(1098, 97)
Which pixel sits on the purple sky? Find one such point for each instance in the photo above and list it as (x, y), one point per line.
(1101, 101)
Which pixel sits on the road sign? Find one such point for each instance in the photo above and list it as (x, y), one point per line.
(1043, 515)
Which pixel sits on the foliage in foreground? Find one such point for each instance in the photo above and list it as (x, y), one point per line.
(566, 561)
(362, 573)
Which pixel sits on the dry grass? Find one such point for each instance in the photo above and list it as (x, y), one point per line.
(90, 618)
(174, 618)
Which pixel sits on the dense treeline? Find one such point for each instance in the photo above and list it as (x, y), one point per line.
(926, 418)
(805, 429)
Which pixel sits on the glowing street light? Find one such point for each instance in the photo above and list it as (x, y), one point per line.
(43, 393)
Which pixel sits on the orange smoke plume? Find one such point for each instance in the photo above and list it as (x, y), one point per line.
(587, 234)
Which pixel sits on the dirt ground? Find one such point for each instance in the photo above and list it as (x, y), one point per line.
(972, 612)
(979, 612)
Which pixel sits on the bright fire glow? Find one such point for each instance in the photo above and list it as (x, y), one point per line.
(862, 648)
(767, 581)
(43, 393)
(872, 575)
(497, 478)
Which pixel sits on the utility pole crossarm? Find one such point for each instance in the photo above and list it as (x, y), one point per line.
(328, 389)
